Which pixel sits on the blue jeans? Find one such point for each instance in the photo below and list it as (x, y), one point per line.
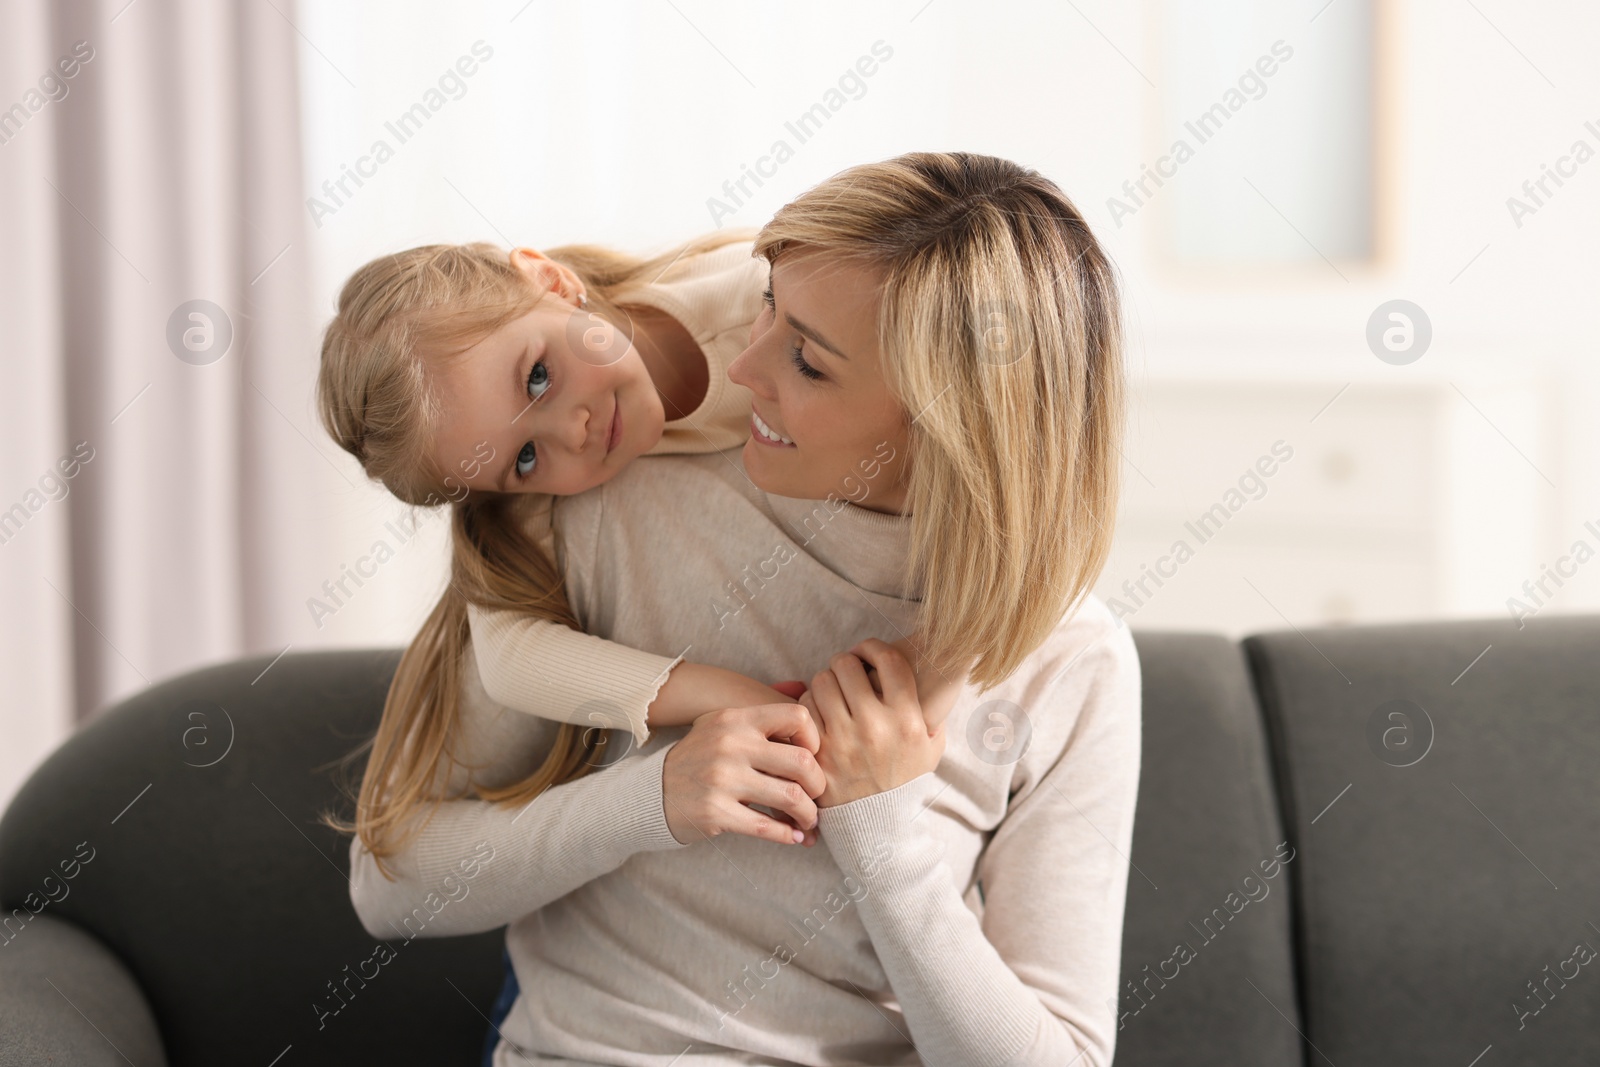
(502, 1008)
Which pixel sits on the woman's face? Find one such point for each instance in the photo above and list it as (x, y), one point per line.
(813, 365)
(557, 401)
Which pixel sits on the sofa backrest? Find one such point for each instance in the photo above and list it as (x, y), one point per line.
(187, 818)
(1207, 961)
(1442, 785)
(1327, 870)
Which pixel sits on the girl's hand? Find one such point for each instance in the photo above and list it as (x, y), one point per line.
(872, 739)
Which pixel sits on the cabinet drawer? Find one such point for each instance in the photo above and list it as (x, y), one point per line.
(1314, 581)
(1367, 461)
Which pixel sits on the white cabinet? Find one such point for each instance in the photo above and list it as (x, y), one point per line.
(1254, 504)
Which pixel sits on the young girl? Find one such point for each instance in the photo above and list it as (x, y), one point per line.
(497, 383)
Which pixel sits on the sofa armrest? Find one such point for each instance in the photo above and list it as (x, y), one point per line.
(65, 998)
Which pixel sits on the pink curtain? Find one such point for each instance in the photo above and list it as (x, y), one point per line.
(156, 472)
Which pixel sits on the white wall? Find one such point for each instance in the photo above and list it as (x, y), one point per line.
(616, 122)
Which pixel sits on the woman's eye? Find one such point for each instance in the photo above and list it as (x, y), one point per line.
(797, 354)
(538, 380)
(526, 456)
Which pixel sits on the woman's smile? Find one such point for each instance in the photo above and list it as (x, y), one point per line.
(614, 434)
(767, 435)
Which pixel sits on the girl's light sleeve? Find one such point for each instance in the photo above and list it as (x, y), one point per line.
(1028, 983)
(547, 669)
(544, 668)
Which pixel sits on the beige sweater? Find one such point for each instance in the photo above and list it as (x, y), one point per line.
(971, 916)
(553, 671)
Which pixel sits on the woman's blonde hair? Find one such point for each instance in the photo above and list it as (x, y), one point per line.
(398, 317)
(1000, 329)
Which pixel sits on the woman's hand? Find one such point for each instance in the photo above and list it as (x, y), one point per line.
(936, 690)
(735, 757)
(873, 739)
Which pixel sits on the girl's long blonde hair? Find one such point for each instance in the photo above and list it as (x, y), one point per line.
(398, 316)
(1000, 328)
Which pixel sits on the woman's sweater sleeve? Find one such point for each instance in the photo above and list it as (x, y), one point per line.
(476, 866)
(1028, 984)
(544, 668)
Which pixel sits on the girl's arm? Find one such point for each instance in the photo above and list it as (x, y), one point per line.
(1029, 982)
(546, 669)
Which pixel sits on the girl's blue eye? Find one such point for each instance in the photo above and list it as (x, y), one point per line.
(538, 386)
(538, 380)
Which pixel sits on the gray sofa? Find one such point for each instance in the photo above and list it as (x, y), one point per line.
(1347, 852)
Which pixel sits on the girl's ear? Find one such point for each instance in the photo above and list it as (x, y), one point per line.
(546, 273)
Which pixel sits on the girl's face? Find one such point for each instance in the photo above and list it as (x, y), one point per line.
(813, 365)
(557, 401)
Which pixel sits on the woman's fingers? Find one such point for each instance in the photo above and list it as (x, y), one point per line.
(790, 765)
(736, 757)
(787, 722)
(781, 795)
(808, 700)
(830, 702)
(857, 687)
(896, 676)
(807, 837)
(742, 819)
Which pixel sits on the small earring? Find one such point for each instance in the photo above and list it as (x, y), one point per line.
(583, 301)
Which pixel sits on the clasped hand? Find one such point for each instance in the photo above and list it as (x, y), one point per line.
(869, 722)
(874, 735)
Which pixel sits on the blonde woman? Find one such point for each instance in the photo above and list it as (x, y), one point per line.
(953, 310)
